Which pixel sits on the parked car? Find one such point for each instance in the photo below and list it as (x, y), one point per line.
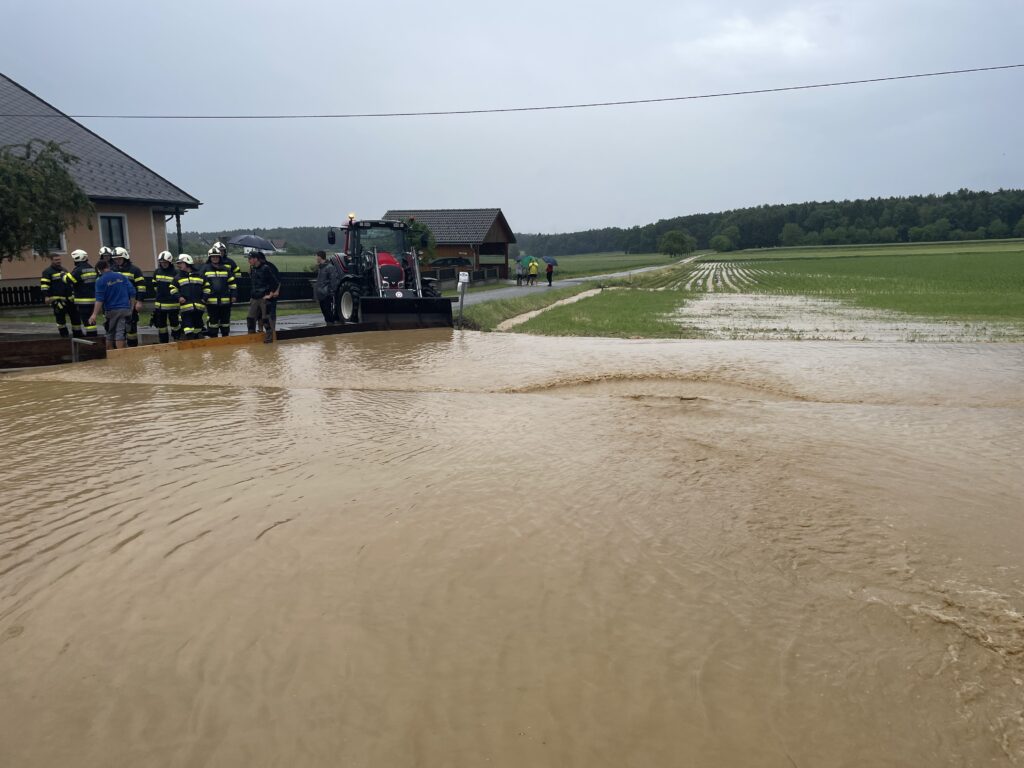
(450, 261)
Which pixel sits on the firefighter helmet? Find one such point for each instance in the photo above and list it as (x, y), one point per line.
(79, 255)
(106, 252)
(121, 253)
(220, 247)
(214, 251)
(164, 256)
(184, 258)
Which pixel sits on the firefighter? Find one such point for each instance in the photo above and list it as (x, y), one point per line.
(82, 280)
(57, 294)
(220, 293)
(187, 288)
(227, 261)
(123, 263)
(165, 306)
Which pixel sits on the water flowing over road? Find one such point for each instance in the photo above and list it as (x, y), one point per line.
(442, 549)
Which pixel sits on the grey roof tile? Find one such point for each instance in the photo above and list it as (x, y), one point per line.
(457, 225)
(104, 172)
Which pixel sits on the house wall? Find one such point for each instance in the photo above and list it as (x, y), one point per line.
(146, 234)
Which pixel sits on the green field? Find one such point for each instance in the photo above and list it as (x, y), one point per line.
(585, 264)
(965, 281)
(975, 282)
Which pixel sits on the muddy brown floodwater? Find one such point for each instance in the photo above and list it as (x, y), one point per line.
(443, 549)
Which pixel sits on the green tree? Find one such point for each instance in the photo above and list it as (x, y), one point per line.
(721, 243)
(422, 239)
(676, 242)
(39, 199)
(998, 229)
(1018, 230)
(792, 234)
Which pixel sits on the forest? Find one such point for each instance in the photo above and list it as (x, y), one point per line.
(962, 215)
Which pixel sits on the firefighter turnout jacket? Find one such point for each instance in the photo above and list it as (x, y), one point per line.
(138, 279)
(162, 279)
(82, 280)
(220, 286)
(53, 285)
(190, 287)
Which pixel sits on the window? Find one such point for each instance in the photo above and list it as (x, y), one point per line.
(60, 245)
(112, 231)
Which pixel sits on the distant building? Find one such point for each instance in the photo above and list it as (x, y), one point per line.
(279, 245)
(481, 235)
(133, 203)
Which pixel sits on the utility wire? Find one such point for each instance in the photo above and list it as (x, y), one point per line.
(586, 105)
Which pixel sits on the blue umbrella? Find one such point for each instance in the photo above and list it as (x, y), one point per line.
(551, 260)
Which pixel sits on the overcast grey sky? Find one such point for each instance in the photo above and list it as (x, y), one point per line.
(548, 171)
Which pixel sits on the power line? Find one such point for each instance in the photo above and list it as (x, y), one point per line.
(586, 105)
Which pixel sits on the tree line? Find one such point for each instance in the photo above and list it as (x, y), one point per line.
(962, 215)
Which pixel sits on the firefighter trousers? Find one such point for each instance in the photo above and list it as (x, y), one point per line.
(133, 328)
(192, 323)
(65, 311)
(218, 319)
(84, 309)
(167, 323)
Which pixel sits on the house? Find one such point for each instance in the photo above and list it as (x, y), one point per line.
(279, 244)
(481, 235)
(133, 203)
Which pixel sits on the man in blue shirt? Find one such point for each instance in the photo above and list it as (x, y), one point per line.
(115, 294)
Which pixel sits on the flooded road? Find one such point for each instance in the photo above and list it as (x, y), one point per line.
(439, 549)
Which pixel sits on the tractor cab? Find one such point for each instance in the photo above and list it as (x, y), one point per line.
(379, 267)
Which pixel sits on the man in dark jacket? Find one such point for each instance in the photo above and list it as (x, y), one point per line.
(265, 288)
(57, 293)
(328, 278)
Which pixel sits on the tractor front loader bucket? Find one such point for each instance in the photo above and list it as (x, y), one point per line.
(390, 314)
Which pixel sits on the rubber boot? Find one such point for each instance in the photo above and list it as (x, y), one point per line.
(250, 324)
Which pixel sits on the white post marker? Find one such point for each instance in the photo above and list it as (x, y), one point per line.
(463, 284)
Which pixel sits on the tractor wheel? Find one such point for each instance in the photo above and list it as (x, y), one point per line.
(348, 302)
(429, 290)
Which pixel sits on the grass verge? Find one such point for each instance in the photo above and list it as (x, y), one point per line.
(617, 313)
(487, 315)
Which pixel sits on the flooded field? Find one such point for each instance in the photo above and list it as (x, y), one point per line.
(443, 549)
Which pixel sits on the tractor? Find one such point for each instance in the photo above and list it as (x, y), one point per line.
(381, 281)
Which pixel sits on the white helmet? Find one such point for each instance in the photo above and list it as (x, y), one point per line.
(220, 247)
(164, 256)
(79, 255)
(121, 253)
(215, 251)
(105, 251)
(184, 258)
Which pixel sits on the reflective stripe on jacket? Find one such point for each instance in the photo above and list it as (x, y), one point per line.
(189, 286)
(162, 279)
(82, 280)
(138, 278)
(52, 283)
(220, 284)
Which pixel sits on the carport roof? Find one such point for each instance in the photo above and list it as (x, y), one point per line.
(458, 226)
(103, 171)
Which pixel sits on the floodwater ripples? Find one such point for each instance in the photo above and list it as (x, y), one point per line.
(435, 548)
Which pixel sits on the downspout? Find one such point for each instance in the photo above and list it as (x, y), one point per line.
(177, 224)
